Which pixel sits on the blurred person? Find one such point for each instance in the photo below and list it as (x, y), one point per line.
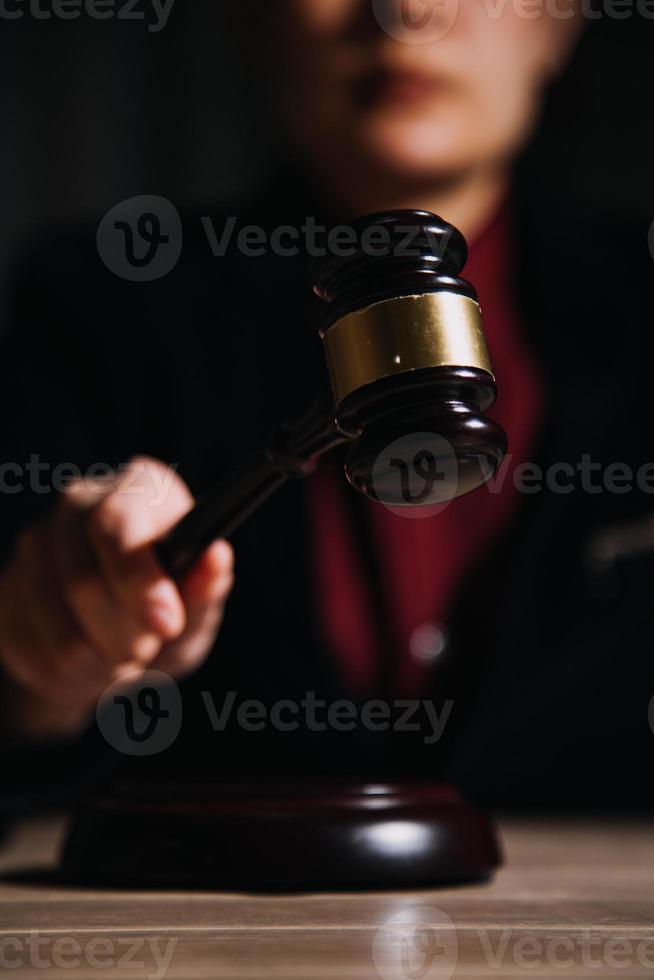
(525, 605)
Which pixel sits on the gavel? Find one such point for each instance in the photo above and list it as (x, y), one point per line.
(408, 365)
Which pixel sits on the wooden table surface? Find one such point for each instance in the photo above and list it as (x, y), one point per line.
(575, 898)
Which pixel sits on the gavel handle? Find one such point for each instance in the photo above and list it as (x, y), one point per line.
(292, 451)
(218, 514)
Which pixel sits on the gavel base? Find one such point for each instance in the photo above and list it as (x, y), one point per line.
(293, 836)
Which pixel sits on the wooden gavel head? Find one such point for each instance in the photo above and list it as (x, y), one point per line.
(410, 376)
(408, 362)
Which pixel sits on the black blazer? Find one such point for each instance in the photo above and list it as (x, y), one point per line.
(550, 662)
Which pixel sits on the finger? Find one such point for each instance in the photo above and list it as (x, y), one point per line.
(122, 529)
(43, 648)
(111, 630)
(205, 590)
(211, 578)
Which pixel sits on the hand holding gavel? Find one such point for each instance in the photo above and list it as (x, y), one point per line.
(113, 584)
(84, 600)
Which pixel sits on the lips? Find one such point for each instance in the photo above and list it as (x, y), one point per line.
(395, 85)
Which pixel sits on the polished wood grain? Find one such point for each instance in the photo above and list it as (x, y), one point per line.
(576, 898)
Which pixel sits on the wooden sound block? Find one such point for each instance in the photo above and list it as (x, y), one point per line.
(272, 837)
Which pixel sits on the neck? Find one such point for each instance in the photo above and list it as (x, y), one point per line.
(468, 202)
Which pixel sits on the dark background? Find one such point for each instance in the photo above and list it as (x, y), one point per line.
(93, 112)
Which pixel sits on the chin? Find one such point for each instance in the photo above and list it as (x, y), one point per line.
(416, 149)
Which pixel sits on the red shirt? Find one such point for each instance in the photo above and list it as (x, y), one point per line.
(423, 562)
